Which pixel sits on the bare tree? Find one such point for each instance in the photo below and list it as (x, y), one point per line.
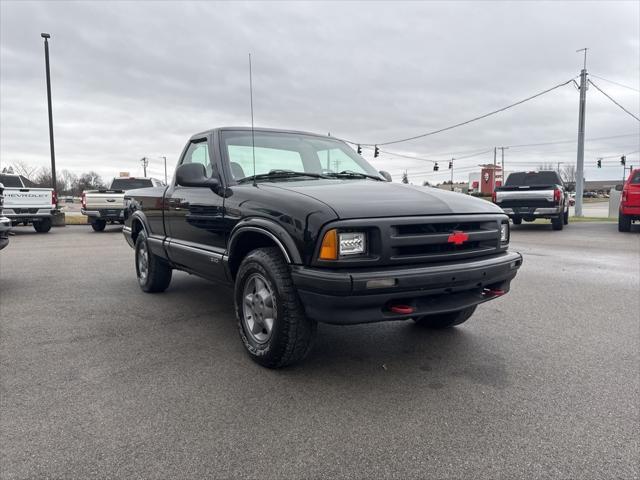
(568, 173)
(546, 166)
(43, 179)
(88, 181)
(66, 182)
(24, 169)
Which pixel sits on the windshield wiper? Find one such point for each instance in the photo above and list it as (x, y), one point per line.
(280, 173)
(352, 174)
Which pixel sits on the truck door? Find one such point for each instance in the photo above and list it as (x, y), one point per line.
(194, 219)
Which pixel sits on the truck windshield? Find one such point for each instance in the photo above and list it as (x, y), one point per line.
(10, 181)
(130, 183)
(519, 179)
(294, 152)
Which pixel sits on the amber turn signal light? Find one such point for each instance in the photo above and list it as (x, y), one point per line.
(329, 247)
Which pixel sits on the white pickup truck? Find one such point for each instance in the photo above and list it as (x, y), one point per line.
(24, 204)
(107, 205)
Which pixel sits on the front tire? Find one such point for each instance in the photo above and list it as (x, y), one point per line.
(624, 222)
(445, 320)
(517, 221)
(565, 218)
(271, 320)
(98, 225)
(42, 226)
(153, 272)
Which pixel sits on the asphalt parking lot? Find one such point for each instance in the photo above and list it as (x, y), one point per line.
(102, 380)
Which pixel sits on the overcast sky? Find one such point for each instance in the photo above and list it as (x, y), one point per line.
(134, 79)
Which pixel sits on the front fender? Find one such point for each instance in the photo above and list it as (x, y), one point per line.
(271, 229)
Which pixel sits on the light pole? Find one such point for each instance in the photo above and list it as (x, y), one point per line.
(46, 37)
(145, 163)
(165, 170)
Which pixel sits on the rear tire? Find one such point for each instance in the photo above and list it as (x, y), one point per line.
(557, 223)
(445, 320)
(98, 225)
(624, 222)
(153, 272)
(271, 320)
(517, 220)
(42, 226)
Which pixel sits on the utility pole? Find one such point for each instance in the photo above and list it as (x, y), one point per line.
(165, 170)
(503, 149)
(145, 163)
(46, 37)
(581, 120)
(493, 186)
(452, 173)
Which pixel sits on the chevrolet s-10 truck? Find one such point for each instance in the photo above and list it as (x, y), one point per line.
(307, 231)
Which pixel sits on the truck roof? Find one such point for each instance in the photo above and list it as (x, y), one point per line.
(258, 129)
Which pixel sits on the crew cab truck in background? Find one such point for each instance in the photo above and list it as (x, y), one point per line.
(531, 195)
(310, 232)
(106, 205)
(630, 202)
(27, 205)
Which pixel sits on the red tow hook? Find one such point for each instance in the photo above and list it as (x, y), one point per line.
(493, 292)
(402, 309)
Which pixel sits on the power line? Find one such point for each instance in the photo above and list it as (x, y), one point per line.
(478, 151)
(620, 155)
(615, 83)
(609, 97)
(466, 122)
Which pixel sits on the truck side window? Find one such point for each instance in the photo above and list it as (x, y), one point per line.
(198, 152)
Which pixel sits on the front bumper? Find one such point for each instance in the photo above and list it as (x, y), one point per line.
(343, 297)
(540, 212)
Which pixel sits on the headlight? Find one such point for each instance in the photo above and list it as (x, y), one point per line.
(504, 233)
(352, 243)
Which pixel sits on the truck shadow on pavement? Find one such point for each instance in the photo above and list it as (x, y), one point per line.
(354, 357)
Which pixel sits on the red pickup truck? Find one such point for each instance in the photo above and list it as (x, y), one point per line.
(630, 202)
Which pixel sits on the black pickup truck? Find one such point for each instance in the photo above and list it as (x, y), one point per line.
(307, 231)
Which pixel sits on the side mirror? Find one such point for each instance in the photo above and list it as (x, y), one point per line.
(618, 188)
(195, 175)
(386, 175)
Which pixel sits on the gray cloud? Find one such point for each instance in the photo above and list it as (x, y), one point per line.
(136, 79)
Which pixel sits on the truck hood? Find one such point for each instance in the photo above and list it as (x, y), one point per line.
(369, 199)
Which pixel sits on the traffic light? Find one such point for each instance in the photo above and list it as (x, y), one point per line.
(359, 150)
(599, 163)
(450, 165)
(623, 160)
(436, 167)
(376, 152)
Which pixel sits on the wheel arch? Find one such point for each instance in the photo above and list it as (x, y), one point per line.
(258, 234)
(138, 224)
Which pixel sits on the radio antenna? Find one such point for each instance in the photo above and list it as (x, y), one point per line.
(253, 140)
